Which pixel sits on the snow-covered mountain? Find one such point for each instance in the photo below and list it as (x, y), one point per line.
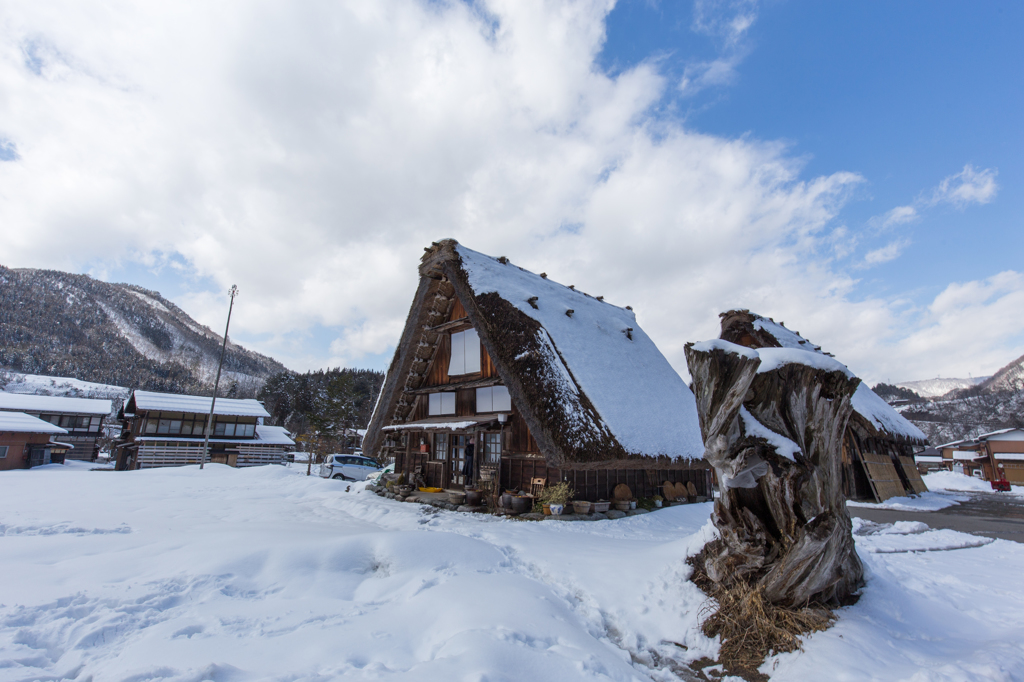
(934, 388)
(1009, 378)
(65, 325)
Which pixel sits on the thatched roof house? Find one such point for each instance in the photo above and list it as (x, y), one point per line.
(878, 447)
(531, 369)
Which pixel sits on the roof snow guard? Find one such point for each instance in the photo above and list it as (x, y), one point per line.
(590, 384)
(748, 329)
(174, 402)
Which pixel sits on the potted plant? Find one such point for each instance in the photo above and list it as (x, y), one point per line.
(557, 509)
(558, 494)
(622, 505)
(657, 501)
(632, 503)
(600, 506)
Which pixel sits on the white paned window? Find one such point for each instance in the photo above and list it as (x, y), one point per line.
(3, 451)
(493, 399)
(492, 447)
(441, 403)
(465, 353)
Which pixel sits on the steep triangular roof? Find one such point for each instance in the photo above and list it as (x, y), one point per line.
(870, 412)
(590, 384)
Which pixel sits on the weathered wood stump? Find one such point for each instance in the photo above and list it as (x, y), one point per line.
(773, 429)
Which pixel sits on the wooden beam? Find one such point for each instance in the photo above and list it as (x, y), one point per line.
(452, 324)
(475, 383)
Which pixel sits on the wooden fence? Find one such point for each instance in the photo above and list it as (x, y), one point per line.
(519, 473)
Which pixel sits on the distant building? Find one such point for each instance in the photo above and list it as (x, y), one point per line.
(166, 429)
(998, 455)
(27, 441)
(928, 460)
(82, 418)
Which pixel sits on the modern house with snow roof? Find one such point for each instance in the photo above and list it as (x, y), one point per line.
(166, 429)
(27, 441)
(82, 418)
(552, 384)
(879, 443)
(998, 455)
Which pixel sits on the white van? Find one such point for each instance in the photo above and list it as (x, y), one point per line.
(348, 467)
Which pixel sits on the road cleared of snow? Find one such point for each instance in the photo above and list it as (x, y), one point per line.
(266, 574)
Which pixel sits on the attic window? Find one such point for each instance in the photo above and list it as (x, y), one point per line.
(493, 399)
(465, 353)
(441, 403)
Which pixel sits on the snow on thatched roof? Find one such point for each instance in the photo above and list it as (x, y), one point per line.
(174, 402)
(53, 404)
(779, 345)
(600, 351)
(590, 384)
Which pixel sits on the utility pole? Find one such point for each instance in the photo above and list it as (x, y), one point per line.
(213, 402)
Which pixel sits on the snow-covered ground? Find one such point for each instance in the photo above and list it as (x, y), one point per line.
(265, 574)
(930, 501)
(951, 481)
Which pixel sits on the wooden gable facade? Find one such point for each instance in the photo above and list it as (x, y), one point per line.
(431, 407)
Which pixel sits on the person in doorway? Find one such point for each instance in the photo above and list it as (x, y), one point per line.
(467, 466)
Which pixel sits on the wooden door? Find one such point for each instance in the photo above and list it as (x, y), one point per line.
(457, 459)
(436, 467)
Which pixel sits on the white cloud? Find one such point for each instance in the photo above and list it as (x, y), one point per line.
(899, 216)
(308, 152)
(727, 21)
(969, 186)
(889, 252)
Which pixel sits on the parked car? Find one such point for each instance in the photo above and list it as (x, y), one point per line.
(348, 467)
(375, 476)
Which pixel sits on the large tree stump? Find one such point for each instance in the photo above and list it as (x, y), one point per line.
(775, 439)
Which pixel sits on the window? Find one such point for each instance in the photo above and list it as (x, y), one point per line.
(165, 426)
(245, 430)
(229, 429)
(492, 447)
(493, 399)
(218, 429)
(3, 451)
(465, 353)
(440, 445)
(94, 423)
(441, 403)
(186, 428)
(151, 425)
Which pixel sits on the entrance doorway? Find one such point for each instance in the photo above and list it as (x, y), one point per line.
(458, 459)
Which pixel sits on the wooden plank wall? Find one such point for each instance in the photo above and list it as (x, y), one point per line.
(912, 474)
(517, 473)
(882, 474)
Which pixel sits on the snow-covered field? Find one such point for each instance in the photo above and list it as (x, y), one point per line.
(265, 574)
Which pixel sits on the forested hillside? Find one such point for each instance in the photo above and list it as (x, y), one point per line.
(60, 324)
(325, 401)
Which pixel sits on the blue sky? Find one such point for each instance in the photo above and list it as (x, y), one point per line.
(851, 168)
(903, 93)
